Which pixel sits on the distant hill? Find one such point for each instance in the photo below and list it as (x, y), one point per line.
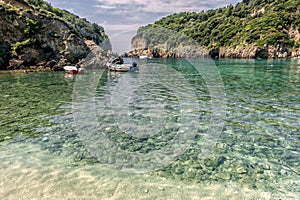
(250, 29)
(33, 33)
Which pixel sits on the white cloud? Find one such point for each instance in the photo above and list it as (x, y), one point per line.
(119, 27)
(169, 6)
(129, 15)
(106, 7)
(114, 1)
(121, 18)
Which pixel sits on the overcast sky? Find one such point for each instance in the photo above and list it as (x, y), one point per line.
(121, 18)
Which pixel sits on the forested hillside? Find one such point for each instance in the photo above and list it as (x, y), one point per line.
(33, 33)
(252, 28)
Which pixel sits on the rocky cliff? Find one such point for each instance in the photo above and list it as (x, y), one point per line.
(34, 34)
(160, 42)
(141, 45)
(251, 29)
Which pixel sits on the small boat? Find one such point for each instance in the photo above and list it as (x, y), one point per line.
(122, 65)
(144, 57)
(73, 69)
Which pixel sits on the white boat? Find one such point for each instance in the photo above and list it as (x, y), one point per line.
(144, 57)
(297, 57)
(122, 65)
(73, 69)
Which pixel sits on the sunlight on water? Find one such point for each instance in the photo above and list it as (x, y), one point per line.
(29, 173)
(72, 137)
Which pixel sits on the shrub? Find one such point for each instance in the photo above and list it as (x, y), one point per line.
(32, 27)
(16, 48)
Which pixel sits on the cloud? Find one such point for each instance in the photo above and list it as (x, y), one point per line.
(170, 6)
(119, 27)
(130, 13)
(105, 7)
(121, 16)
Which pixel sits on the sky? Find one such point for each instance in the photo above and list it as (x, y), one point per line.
(122, 18)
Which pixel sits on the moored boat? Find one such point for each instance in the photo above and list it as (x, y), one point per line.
(73, 70)
(296, 57)
(122, 65)
(144, 57)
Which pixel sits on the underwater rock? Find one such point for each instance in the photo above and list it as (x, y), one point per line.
(266, 166)
(224, 176)
(45, 139)
(179, 170)
(214, 162)
(241, 170)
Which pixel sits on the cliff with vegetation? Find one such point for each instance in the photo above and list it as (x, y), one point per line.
(250, 29)
(34, 34)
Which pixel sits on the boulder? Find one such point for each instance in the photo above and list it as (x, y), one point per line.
(30, 56)
(51, 63)
(214, 53)
(97, 57)
(15, 63)
(261, 53)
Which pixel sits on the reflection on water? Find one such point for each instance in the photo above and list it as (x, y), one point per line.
(43, 153)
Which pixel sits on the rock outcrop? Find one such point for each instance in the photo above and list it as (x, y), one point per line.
(40, 35)
(97, 57)
(169, 44)
(180, 52)
(249, 51)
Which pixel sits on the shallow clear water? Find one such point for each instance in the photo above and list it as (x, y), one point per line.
(222, 125)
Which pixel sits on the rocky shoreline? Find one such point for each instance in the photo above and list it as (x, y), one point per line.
(279, 51)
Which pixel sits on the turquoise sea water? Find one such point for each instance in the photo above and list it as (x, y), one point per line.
(198, 122)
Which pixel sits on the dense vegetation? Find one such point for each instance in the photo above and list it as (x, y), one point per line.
(257, 22)
(65, 15)
(33, 33)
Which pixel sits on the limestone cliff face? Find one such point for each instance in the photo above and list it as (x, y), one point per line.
(295, 34)
(252, 51)
(278, 51)
(178, 52)
(38, 36)
(139, 43)
(141, 47)
(168, 44)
